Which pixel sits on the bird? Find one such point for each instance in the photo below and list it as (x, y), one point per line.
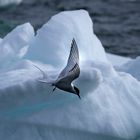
(68, 74)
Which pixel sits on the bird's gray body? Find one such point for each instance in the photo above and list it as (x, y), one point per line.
(65, 83)
(68, 74)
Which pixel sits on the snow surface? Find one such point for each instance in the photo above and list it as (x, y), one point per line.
(132, 67)
(117, 60)
(12, 47)
(109, 108)
(58, 33)
(8, 2)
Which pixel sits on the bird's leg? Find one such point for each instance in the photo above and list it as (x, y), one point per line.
(54, 89)
(79, 96)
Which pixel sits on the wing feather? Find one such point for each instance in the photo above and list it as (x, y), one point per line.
(73, 61)
(72, 75)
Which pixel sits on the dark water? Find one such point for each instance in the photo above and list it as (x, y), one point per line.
(116, 22)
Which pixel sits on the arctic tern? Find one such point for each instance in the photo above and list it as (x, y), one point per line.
(68, 74)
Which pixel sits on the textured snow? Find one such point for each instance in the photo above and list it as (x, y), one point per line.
(58, 33)
(117, 60)
(132, 67)
(109, 108)
(13, 45)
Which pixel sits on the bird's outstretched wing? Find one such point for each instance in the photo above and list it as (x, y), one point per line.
(71, 75)
(72, 69)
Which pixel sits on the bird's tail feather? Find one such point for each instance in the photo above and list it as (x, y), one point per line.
(43, 73)
(44, 81)
(44, 78)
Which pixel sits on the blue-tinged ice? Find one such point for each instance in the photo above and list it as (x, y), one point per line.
(14, 44)
(109, 108)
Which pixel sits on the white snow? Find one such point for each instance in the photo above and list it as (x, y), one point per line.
(132, 67)
(117, 60)
(12, 45)
(58, 33)
(8, 2)
(109, 108)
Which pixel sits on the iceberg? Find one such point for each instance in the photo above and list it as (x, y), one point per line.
(14, 45)
(116, 60)
(8, 2)
(132, 67)
(109, 108)
(51, 36)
